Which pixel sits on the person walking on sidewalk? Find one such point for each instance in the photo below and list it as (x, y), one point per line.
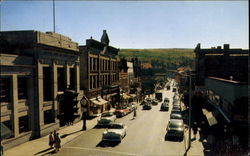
(195, 129)
(134, 114)
(51, 140)
(57, 142)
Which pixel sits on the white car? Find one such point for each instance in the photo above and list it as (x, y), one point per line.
(106, 119)
(115, 133)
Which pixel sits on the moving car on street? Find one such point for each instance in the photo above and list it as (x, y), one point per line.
(106, 119)
(175, 129)
(147, 106)
(164, 106)
(115, 133)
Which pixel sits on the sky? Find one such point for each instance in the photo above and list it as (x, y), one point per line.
(135, 24)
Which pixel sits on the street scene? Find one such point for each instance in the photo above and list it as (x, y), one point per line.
(127, 78)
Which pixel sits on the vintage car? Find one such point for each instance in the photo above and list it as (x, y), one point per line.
(176, 116)
(154, 102)
(116, 132)
(175, 129)
(122, 111)
(164, 106)
(106, 119)
(175, 111)
(147, 106)
(166, 99)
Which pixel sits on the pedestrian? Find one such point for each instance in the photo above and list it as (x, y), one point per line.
(51, 140)
(134, 114)
(195, 129)
(57, 142)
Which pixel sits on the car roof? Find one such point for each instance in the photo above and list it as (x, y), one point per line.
(175, 121)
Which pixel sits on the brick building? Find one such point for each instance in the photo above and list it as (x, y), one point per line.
(99, 74)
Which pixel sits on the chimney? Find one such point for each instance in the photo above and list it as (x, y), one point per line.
(226, 46)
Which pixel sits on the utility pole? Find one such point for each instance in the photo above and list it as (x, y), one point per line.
(189, 121)
(54, 17)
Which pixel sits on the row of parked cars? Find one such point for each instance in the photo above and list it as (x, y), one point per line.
(175, 127)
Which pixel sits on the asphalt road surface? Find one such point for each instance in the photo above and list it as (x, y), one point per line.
(145, 136)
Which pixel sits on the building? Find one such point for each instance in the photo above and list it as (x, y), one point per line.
(36, 68)
(99, 74)
(222, 77)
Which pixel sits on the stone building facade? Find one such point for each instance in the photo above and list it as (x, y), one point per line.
(99, 74)
(36, 67)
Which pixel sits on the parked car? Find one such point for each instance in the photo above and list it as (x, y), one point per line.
(116, 132)
(154, 102)
(147, 106)
(175, 111)
(175, 129)
(166, 99)
(121, 111)
(164, 106)
(106, 119)
(176, 107)
(176, 116)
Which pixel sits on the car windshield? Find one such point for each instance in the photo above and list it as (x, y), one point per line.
(107, 114)
(176, 116)
(116, 126)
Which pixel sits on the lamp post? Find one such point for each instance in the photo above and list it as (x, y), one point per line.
(189, 120)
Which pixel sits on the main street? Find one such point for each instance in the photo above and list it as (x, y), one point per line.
(145, 136)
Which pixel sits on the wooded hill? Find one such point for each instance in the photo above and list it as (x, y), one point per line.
(162, 59)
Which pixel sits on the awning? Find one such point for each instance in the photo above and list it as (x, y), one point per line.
(98, 101)
(5, 131)
(218, 111)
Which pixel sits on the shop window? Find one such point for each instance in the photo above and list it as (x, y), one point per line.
(60, 79)
(5, 89)
(22, 87)
(72, 78)
(47, 84)
(24, 124)
(49, 116)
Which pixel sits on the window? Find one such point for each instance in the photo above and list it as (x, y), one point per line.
(49, 116)
(60, 79)
(72, 78)
(24, 124)
(22, 87)
(47, 84)
(9, 125)
(90, 82)
(5, 89)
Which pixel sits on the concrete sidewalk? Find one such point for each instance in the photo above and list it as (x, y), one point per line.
(40, 146)
(196, 148)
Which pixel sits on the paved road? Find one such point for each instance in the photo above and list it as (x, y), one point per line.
(145, 136)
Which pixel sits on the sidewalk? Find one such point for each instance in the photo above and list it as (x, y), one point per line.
(40, 146)
(196, 148)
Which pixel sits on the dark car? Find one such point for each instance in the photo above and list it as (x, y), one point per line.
(164, 106)
(175, 129)
(176, 116)
(176, 107)
(176, 111)
(147, 106)
(154, 102)
(166, 99)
